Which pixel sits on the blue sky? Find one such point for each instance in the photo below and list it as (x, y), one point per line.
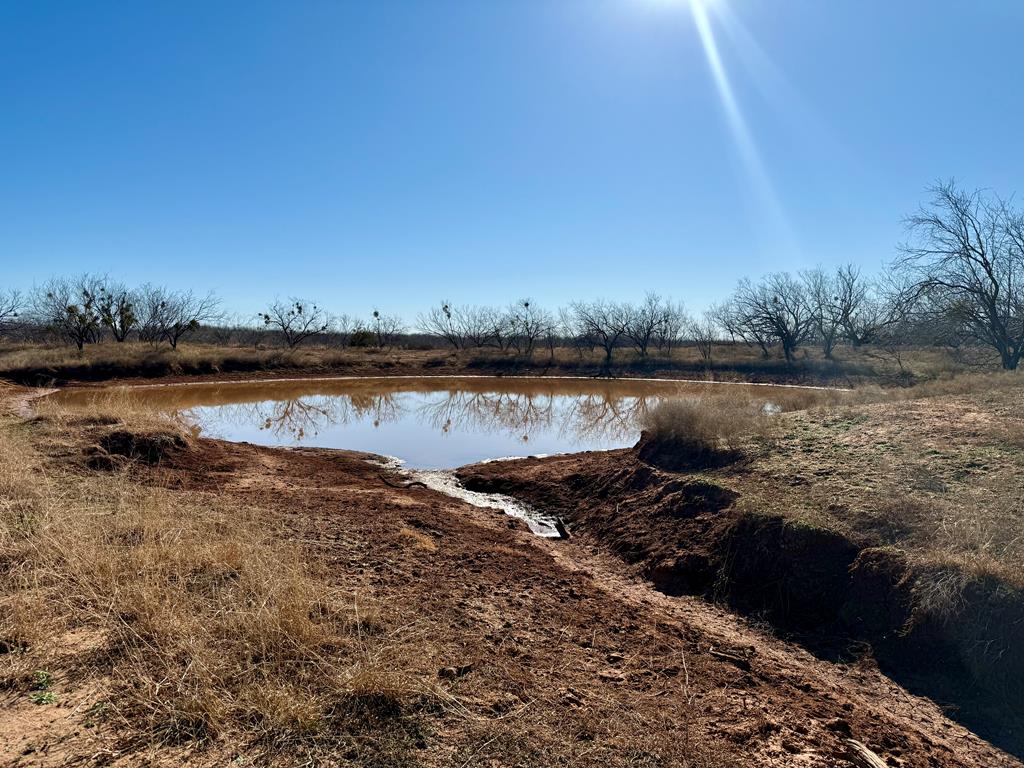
(394, 153)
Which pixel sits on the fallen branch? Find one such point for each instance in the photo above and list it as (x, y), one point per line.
(402, 486)
(863, 757)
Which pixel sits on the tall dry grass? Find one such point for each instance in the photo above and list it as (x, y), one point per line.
(203, 624)
(709, 430)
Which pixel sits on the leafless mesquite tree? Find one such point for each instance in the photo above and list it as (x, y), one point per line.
(704, 332)
(604, 322)
(343, 327)
(149, 299)
(901, 314)
(966, 254)
(386, 328)
(70, 308)
(527, 324)
(822, 296)
(740, 323)
(443, 322)
(863, 308)
(777, 310)
(117, 309)
(172, 315)
(647, 322)
(674, 321)
(11, 305)
(462, 326)
(295, 320)
(478, 325)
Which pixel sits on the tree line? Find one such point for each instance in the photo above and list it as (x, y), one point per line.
(958, 280)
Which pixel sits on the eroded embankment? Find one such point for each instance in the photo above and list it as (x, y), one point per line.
(940, 630)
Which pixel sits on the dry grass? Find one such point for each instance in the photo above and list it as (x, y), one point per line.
(714, 429)
(34, 363)
(105, 361)
(205, 625)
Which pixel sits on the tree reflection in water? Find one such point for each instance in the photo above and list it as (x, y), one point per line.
(583, 417)
(302, 417)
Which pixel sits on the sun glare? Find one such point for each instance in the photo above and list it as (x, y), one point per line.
(745, 144)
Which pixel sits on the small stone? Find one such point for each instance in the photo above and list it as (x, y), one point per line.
(450, 673)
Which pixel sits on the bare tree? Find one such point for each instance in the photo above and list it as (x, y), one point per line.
(826, 307)
(149, 308)
(296, 320)
(704, 332)
(572, 330)
(603, 322)
(967, 253)
(862, 308)
(777, 309)
(903, 312)
(184, 312)
(172, 315)
(442, 322)
(527, 323)
(117, 310)
(503, 328)
(385, 328)
(11, 304)
(744, 325)
(465, 326)
(477, 325)
(674, 321)
(641, 322)
(70, 309)
(342, 327)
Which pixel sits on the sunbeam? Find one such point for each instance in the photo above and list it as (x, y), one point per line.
(774, 87)
(751, 158)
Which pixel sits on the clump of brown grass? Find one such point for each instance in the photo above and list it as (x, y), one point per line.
(209, 626)
(707, 431)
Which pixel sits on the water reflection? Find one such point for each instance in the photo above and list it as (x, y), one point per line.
(517, 416)
(428, 422)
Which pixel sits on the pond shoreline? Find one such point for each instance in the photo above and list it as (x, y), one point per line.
(216, 379)
(109, 364)
(431, 422)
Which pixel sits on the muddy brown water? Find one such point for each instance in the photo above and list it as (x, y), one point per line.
(427, 423)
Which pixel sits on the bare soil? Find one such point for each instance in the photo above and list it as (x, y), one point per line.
(888, 531)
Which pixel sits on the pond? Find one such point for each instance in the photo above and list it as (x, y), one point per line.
(426, 422)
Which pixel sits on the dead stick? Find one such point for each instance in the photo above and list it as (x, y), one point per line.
(864, 757)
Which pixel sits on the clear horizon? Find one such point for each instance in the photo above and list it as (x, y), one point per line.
(397, 154)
